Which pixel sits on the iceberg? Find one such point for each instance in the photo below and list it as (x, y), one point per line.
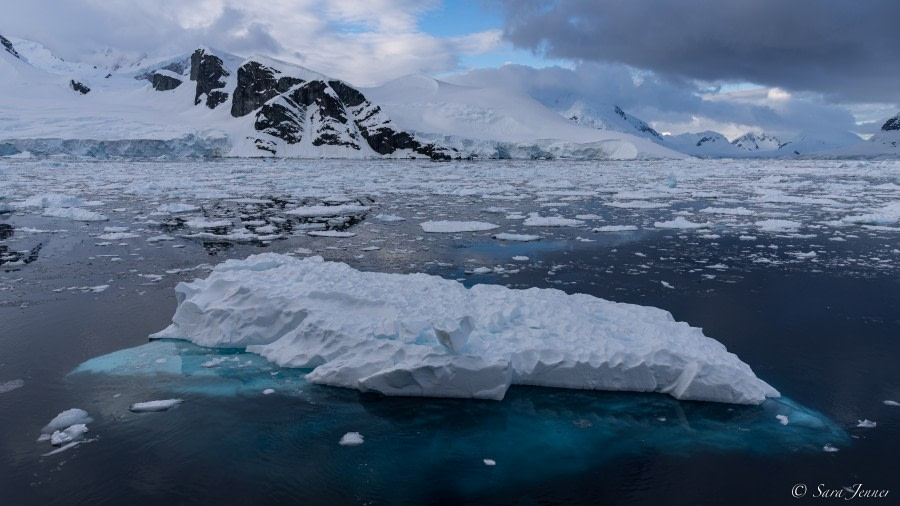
(422, 335)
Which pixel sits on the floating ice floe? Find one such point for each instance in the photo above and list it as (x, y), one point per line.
(351, 439)
(891, 403)
(452, 227)
(782, 419)
(517, 237)
(490, 462)
(331, 233)
(732, 211)
(680, 223)
(614, 228)
(535, 220)
(421, 335)
(866, 424)
(326, 211)
(175, 208)
(389, 217)
(66, 430)
(778, 225)
(9, 386)
(73, 213)
(154, 406)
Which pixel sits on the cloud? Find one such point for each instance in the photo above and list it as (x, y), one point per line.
(844, 49)
(361, 42)
(674, 106)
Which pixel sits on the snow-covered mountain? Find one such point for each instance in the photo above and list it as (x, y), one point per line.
(751, 141)
(706, 144)
(884, 144)
(212, 103)
(610, 117)
(497, 122)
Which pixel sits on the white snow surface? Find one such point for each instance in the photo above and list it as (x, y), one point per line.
(452, 227)
(422, 335)
(153, 406)
(67, 419)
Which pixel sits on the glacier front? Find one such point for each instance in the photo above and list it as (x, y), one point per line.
(422, 335)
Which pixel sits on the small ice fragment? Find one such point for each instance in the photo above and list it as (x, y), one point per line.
(891, 403)
(9, 386)
(153, 406)
(67, 419)
(72, 433)
(490, 462)
(783, 419)
(866, 424)
(268, 391)
(830, 449)
(520, 258)
(667, 285)
(351, 439)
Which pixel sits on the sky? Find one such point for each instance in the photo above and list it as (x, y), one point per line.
(783, 67)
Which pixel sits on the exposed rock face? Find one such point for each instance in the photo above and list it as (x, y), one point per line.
(165, 82)
(257, 84)
(328, 113)
(640, 125)
(8, 46)
(176, 68)
(892, 124)
(758, 142)
(208, 70)
(79, 87)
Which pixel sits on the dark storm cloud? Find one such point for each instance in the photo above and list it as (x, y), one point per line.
(847, 49)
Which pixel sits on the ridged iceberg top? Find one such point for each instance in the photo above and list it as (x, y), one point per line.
(422, 335)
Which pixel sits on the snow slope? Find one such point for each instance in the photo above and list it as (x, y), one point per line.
(884, 144)
(610, 117)
(486, 121)
(704, 145)
(421, 335)
(211, 103)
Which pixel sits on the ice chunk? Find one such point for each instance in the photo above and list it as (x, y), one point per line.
(778, 225)
(351, 439)
(269, 391)
(866, 424)
(327, 211)
(72, 433)
(9, 386)
(73, 213)
(490, 462)
(535, 220)
(517, 237)
(452, 227)
(409, 335)
(389, 217)
(175, 208)
(782, 419)
(891, 403)
(829, 448)
(679, 223)
(614, 228)
(153, 406)
(67, 419)
(331, 233)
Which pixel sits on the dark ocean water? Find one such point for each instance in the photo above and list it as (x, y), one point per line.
(826, 334)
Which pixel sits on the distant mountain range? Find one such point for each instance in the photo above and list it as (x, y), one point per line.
(210, 103)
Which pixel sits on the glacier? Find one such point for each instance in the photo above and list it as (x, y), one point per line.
(422, 335)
